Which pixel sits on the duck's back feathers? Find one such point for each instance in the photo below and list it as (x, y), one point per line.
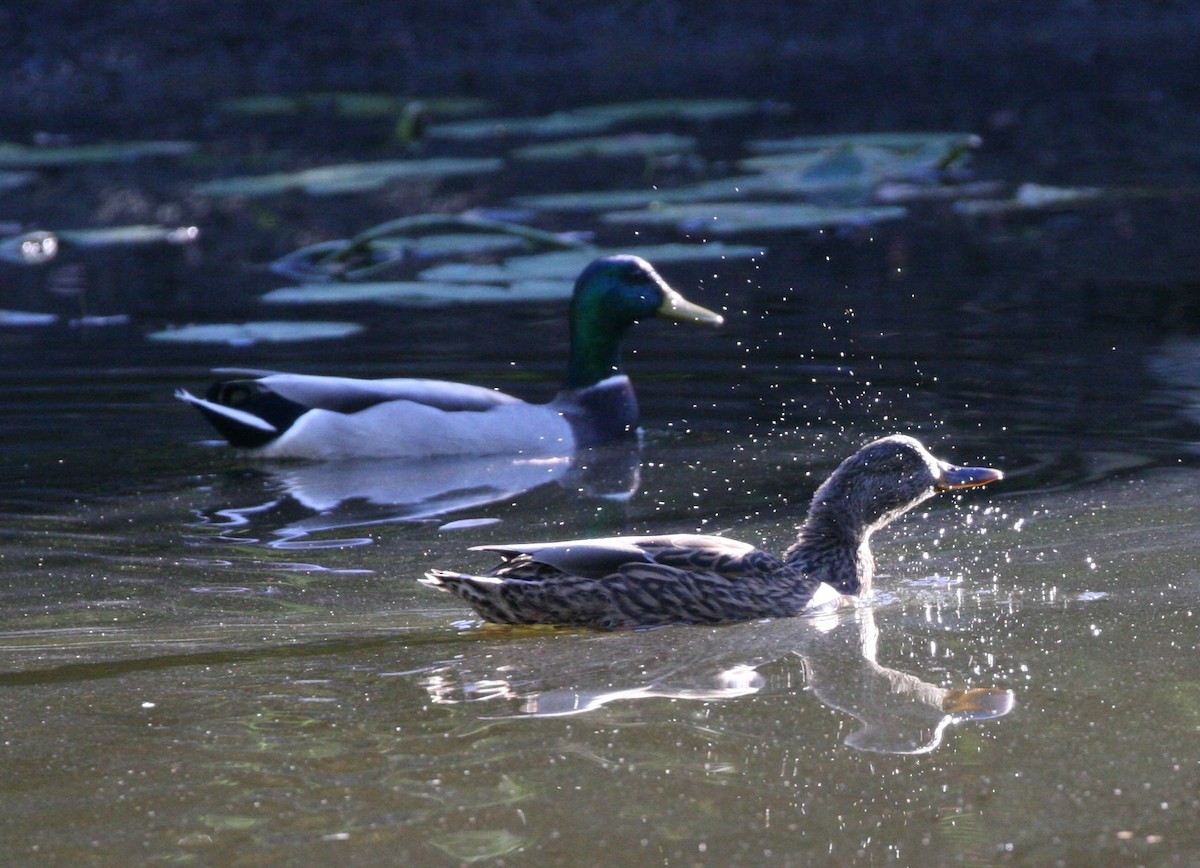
(631, 582)
(349, 395)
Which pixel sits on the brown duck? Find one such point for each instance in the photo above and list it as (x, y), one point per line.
(649, 581)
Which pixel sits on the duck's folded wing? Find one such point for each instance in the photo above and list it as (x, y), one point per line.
(587, 558)
(595, 558)
(348, 395)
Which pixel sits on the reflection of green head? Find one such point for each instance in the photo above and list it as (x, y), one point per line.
(611, 294)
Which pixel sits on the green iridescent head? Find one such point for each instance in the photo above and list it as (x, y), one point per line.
(611, 294)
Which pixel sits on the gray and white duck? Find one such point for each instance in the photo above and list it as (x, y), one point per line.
(278, 415)
(650, 581)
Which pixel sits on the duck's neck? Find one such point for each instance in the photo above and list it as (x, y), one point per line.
(595, 345)
(834, 551)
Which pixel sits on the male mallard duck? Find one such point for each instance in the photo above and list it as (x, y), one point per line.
(300, 416)
(686, 579)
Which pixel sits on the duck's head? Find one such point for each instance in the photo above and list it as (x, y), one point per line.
(611, 294)
(888, 477)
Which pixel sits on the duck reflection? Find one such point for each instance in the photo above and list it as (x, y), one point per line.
(897, 712)
(325, 496)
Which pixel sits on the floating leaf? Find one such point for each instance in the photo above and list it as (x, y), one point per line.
(20, 157)
(1031, 197)
(380, 248)
(31, 248)
(487, 129)
(724, 218)
(417, 293)
(597, 119)
(89, 322)
(628, 145)
(686, 109)
(896, 192)
(26, 318)
(348, 177)
(335, 259)
(477, 846)
(350, 105)
(717, 190)
(13, 180)
(565, 265)
(124, 236)
(858, 168)
(942, 143)
(245, 334)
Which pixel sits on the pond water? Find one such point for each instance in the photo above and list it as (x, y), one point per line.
(216, 660)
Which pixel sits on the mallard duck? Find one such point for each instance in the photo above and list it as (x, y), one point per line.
(277, 415)
(649, 581)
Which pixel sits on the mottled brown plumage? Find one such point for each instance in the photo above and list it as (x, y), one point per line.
(689, 579)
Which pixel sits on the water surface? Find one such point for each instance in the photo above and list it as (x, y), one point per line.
(215, 660)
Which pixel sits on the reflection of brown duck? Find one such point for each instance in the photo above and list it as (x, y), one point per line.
(688, 579)
(578, 673)
(899, 712)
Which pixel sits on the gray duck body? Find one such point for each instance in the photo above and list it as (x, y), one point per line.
(650, 581)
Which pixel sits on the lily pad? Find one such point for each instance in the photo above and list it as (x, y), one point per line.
(487, 129)
(717, 190)
(725, 218)
(941, 143)
(128, 236)
(14, 156)
(350, 105)
(1031, 197)
(686, 109)
(30, 248)
(627, 145)
(381, 248)
(349, 177)
(565, 265)
(418, 293)
(321, 262)
(245, 334)
(14, 180)
(898, 192)
(26, 318)
(843, 169)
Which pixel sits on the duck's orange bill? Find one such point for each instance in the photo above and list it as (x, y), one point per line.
(966, 477)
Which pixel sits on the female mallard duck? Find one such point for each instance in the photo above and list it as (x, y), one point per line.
(649, 581)
(299, 416)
